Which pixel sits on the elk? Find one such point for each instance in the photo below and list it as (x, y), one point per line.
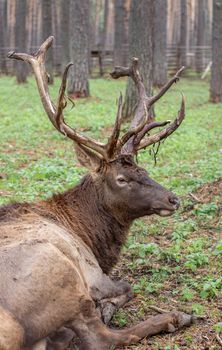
(56, 255)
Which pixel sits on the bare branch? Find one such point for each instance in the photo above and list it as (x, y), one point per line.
(219, 340)
(157, 309)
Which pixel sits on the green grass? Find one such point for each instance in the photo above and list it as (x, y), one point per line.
(171, 261)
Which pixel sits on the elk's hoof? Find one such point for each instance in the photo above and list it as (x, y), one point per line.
(125, 288)
(182, 319)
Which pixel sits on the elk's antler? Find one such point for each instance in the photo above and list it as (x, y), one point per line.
(55, 113)
(134, 139)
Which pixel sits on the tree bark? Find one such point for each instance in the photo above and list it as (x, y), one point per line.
(216, 71)
(141, 46)
(21, 39)
(34, 30)
(121, 32)
(104, 36)
(173, 22)
(182, 54)
(201, 25)
(79, 49)
(3, 27)
(160, 43)
(65, 33)
(46, 32)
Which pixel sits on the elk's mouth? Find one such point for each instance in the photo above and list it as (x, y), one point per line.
(165, 212)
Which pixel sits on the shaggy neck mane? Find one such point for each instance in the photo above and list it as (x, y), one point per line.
(83, 212)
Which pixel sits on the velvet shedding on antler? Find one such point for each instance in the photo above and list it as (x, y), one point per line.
(135, 138)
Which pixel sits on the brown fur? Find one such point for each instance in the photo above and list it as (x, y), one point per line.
(55, 256)
(82, 211)
(12, 211)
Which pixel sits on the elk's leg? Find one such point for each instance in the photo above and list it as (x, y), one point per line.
(109, 295)
(60, 340)
(94, 335)
(40, 345)
(11, 333)
(107, 307)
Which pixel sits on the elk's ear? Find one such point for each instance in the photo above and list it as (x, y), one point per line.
(87, 158)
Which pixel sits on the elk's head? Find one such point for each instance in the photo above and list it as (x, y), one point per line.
(126, 188)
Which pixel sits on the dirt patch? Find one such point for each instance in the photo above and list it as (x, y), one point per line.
(208, 191)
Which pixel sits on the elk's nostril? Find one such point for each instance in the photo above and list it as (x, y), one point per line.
(175, 201)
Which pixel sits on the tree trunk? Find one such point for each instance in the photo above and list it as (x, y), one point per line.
(173, 25)
(56, 30)
(34, 30)
(79, 49)
(121, 32)
(201, 25)
(65, 33)
(140, 45)
(46, 32)
(160, 43)
(3, 28)
(182, 53)
(21, 39)
(216, 71)
(103, 38)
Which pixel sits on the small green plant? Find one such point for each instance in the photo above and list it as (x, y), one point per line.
(206, 211)
(195, 260)
(144, 285)
(187, 294)
(198, 309)
(120, 318)
(171, 254)
(183, 230)
(211, 288)
(218, 327)
(218, 249)
(196, 245)
(144, 249)
(169, 347)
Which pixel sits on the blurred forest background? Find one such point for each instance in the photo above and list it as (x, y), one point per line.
(98, 34)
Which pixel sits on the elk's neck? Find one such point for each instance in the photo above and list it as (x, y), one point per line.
(83, 211)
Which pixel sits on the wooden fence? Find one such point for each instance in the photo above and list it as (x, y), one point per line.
(102, 62)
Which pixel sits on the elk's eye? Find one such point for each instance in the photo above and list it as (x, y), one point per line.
(121, 180)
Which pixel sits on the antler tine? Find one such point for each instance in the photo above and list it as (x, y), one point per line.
(165, 88)
(165, 132)
(126, 143)
(147, 128)
(55, 114)
(133, 140)
(141, 116)
(112, 142)
(61, 102)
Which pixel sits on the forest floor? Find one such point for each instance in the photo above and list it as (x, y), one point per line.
(172, 263)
